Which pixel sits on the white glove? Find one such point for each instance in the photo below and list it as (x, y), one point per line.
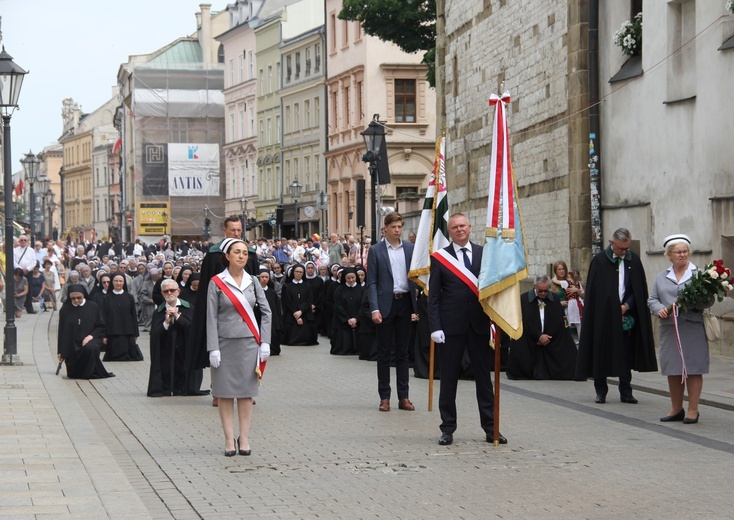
(264, 351)
(215, 358)
(438, 336)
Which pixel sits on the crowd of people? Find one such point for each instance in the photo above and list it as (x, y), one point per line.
(235, 303)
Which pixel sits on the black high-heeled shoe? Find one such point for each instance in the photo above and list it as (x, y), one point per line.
(692, 421)
(675, 417)
(246, 453)
(233, 452)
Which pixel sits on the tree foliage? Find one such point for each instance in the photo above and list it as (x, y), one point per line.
(409, 24)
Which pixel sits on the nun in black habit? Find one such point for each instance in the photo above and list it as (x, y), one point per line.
(80, 334)
(297, 300)
(347, 303)
(276, 324)
(118, 312)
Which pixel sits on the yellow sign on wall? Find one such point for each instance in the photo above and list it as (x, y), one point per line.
(153, 218)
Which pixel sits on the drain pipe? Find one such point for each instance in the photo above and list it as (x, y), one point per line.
(594, 129)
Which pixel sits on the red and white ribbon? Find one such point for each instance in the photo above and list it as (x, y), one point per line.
(684, 372)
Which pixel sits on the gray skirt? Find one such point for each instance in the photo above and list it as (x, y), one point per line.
(236, 377)
(694, 345)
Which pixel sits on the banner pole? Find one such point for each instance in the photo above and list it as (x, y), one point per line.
(430, 376)
(497, 345)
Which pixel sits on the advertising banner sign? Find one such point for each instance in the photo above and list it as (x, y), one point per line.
(193, 170)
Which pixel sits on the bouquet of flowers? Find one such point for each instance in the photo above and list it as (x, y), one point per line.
(629, 36)
(708, 285)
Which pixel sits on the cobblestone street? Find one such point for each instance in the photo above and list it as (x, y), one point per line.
(320, 448)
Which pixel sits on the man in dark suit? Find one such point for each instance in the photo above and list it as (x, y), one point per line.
(392, 302)
(458, 323)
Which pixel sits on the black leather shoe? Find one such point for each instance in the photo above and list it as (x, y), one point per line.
(691, 421)
(628, 399)
(600, 399)
(502, 439)
(676, 417)
(446, 439)
(246, 453)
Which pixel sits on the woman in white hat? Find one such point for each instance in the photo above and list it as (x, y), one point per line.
(695, 350)
(236, 342)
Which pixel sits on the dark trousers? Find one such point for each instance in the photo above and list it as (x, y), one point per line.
(625, 378)
(394, 334)
(450, 355)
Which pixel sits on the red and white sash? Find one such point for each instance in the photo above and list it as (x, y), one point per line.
(242, 305)
(458, 268)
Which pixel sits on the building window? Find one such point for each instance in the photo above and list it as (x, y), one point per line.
(251, 65)
(277, 129)
(332, 27)
(220, 54)
(317, 58)
(241, 58)
(231, 72)
(287, 119)
(347, 106)
(232, 128)
(179, 129)
(262, 82)
(296, 117)
(288, 69)
(252, 121)
(262, 133)
(405, 101)
(307, 114)
(316, 115)
(270, 78)
(298, 65)
(345, 34)
(334, 119)
(270, 131)
(357, 32)
(242, 121)
(308, 62)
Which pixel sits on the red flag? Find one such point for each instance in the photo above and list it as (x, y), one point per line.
(19, 188)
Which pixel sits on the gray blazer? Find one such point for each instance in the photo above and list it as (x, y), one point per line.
(223, 320)
(664, 293)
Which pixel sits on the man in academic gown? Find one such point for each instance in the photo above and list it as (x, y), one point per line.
(546, 349)
(171, 322)
(611, 344)
(80, 334)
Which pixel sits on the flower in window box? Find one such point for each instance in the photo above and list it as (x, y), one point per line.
(629, 36)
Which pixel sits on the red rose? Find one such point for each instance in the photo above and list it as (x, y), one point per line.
(719, 263)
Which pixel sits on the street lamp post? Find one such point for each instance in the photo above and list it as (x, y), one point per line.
(243, 207)
(11, 80)
(31, 164)
(51, 204)
(295, 190)
(373, 136)
(44, 184)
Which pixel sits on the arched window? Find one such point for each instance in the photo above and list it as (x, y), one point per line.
(220, 54)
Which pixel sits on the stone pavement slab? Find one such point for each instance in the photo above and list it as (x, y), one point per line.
(322, 450)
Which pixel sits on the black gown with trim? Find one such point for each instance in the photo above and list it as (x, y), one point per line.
(347, 304)
(75, 324)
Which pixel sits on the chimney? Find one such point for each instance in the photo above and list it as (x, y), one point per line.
(205, 32)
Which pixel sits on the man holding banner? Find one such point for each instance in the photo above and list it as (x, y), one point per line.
(458, 322)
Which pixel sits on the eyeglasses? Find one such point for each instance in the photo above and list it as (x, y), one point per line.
(680, 253)
(169, 291)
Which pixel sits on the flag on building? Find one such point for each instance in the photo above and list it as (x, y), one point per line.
(432, 233)
(503, 258)
(19, 188)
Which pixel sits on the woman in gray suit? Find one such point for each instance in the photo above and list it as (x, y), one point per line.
(695, 349)
(235, 341)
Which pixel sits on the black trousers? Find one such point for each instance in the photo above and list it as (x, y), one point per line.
(450, 355)
(394, 334)
(625, 379)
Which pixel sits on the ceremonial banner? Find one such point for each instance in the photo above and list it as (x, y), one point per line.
(432, 234)
(193, 170)
(503, 259)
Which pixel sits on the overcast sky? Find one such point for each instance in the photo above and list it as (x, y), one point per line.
(74, 48)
